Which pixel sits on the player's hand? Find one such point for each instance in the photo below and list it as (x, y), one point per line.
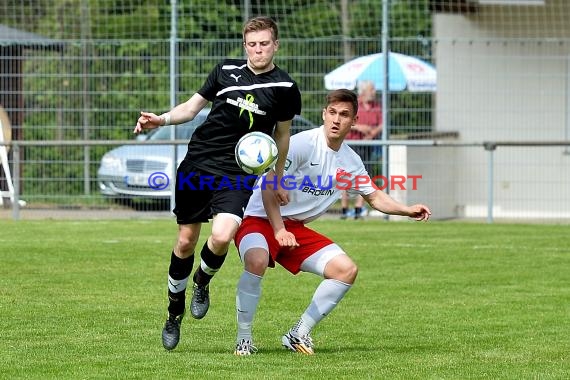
(286, 238)
(147, 120)
(420, 212)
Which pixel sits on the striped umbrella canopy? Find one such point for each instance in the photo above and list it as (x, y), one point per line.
(406, 73)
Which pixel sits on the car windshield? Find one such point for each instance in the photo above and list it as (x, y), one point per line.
(183, 131)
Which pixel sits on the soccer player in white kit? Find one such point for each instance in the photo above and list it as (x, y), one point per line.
(319, 166)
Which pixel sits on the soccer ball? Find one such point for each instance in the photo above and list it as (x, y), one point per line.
(256, 153)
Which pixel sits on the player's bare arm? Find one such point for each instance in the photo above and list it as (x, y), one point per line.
(384, 203)
(271, 205)
(282, 135)
(181, 113)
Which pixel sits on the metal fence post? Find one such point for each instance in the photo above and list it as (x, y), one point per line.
(490, 147)
(16, 178)
(173, 88)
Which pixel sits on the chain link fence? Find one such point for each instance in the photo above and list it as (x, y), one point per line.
(74, 75)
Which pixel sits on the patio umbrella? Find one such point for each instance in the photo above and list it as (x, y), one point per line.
(406, 73)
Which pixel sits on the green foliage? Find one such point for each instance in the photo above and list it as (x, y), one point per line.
(311, 19)
(366, 19)
(114, 58)
(409, 19)
(408, 113)
(209, 22)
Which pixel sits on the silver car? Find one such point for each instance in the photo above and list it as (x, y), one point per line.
(145, 170)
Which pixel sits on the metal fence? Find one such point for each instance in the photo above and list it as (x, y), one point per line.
(74, 75)
(452, 189)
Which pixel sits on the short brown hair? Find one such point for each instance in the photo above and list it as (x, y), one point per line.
(343, 95)
(261, 23)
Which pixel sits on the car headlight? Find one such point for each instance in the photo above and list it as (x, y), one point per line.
(111, 163)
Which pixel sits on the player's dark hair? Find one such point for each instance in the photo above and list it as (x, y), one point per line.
(261, 23)
(343, 95)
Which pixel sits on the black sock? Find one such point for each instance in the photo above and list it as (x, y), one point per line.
(179, 269)
(212, 262)
(357, 211)
(344, 210)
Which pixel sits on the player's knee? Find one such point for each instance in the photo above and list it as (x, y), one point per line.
(256, 261)
(349, 272)
(220, 239)
(222, 234)
(185, 246)
(343, 269)
(187, 240)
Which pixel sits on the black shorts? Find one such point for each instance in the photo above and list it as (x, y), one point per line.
(200, 195)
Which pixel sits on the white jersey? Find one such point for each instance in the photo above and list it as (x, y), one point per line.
(315, 176)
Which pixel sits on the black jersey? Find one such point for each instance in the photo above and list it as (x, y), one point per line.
(242, 102)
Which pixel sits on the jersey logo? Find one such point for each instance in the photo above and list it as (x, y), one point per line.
(249, 100)
(247, 103)
(236, 77)
(340, 172)
(314, 163)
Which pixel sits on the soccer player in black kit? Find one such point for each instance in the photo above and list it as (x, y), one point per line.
(247, 95)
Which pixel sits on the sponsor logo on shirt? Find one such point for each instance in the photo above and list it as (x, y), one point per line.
(316, 192)
(247, 105)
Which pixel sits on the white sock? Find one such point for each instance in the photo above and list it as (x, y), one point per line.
(176, 286)
(326, 297)
(247, 298)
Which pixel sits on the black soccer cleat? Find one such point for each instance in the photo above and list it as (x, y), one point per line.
(200, 301)
(171, 332)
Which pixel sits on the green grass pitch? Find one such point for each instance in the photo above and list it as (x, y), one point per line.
(437, 300)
